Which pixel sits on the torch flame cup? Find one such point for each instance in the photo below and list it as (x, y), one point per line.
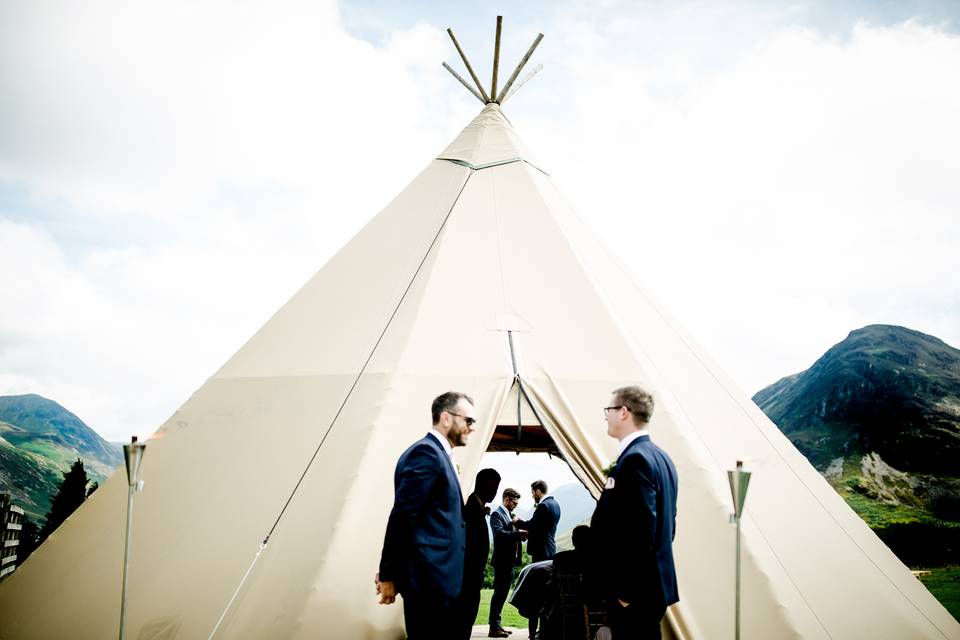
(133, 455)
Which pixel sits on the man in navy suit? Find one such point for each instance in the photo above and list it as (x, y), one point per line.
(635, 521)
(542, 526)
(423, 548)
(506, 558)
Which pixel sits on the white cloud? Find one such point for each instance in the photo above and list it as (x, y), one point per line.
(782, 187)
(799, 188)
(236, 144)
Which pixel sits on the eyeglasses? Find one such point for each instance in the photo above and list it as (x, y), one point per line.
(470, 421)
(606, 409)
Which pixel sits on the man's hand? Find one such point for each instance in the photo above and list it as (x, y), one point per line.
(623, 603)
(386, 590)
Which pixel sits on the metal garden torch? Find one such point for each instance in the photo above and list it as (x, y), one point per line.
(133, 455)
(739, 480)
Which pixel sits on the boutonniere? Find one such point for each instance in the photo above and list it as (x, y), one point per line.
(609, 469)
(486, 511)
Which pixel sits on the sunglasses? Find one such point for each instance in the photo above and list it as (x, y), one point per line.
(470, 421)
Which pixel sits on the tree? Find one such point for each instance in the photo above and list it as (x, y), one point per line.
(29, 539)
(72, 493)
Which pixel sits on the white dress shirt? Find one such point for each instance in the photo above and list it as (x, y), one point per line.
(443, 442)
(630, 438)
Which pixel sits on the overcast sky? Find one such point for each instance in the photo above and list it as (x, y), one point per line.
(778, 174)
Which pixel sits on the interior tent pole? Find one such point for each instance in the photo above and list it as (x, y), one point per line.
(466, 62)
(464, 82)
(522, 82)
(523, 61)
(516, 382)
(739, 481)
(496, 59)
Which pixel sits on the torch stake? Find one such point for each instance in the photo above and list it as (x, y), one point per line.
(739, 481)
(126, 562)
(133, 455)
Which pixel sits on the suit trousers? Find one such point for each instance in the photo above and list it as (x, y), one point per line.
(430, 617)
(502, 579)
(635, 622)
(469, 605)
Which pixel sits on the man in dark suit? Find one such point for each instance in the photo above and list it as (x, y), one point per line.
(635, 521)
(541, 528)
(475, 512)
(506, 558)
(423, 548)
(542, 525)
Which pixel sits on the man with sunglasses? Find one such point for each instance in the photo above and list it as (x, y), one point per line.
(635, 521)
(423, 548)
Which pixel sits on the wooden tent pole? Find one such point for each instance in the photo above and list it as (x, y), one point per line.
(496, 60)
(463, 82)
(469, 68)
(516, 72)
(522, 82)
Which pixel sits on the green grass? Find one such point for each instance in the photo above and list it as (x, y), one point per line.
(510, 616)
(878, 515)
(875, 513)
(944, 584)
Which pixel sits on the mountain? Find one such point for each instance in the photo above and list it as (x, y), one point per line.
(576, 505)
(879, 415)
(39, 439)
(884, 389)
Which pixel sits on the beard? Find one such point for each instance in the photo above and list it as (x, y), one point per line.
(458, 437)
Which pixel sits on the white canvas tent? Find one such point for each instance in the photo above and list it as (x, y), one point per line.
(296, 436)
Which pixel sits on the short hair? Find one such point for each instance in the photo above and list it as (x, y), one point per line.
(638, 401)
(539, 485)
(487, 475)
(446, 402)
(511, 493)
(581, 537)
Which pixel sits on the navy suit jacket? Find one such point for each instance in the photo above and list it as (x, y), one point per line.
(506, 541)
(423, 546)
(542, 527)
(634, 525)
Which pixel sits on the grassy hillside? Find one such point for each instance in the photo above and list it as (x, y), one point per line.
(39, 440)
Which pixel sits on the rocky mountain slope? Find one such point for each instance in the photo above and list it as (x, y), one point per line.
(879, 416)
(884, 389)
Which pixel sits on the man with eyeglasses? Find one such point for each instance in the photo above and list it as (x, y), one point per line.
(423, 548)
(635, 521)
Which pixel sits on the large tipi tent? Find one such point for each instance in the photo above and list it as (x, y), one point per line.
(479, 278)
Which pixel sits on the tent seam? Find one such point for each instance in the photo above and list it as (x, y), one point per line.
(489, 165)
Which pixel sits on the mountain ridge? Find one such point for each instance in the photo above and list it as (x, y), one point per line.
(884, 389)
